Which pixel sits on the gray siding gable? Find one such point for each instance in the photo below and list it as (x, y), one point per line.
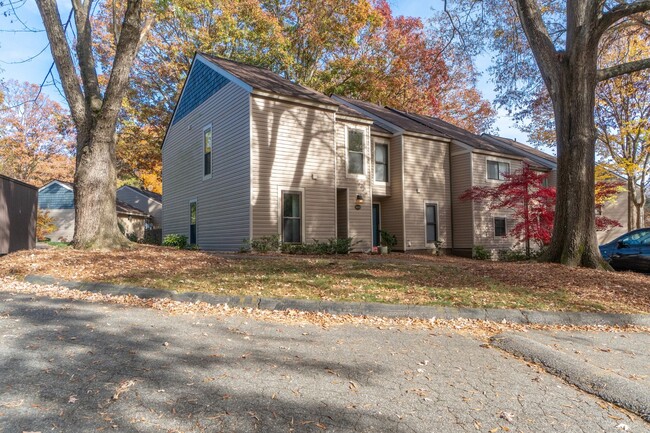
(203, 82)
(55, 196)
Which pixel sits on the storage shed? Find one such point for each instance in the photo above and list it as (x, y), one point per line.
(18, 208)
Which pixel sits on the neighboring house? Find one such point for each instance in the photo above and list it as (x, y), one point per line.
(18, 210)
(57, 198)
(250, 154)
(146, 201)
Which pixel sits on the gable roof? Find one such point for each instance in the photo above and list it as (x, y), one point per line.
(529, 152)
(457, 133)
(66, 185)
(125, 208)
(388, 116)
(267, 81)
(149, 194)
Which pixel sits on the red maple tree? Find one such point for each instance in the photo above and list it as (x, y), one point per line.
(533, 204)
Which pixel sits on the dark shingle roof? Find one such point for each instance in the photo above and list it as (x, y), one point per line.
(536, 155)
(125, 208)
(457, 133)
(150, 194)
(265, 80)
(348, 111)
(389, 116)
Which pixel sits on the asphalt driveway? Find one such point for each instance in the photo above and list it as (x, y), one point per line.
(71, 366)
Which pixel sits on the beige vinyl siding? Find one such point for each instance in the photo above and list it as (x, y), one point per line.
(552, 178)
(483, 216)
(359, 221)
(223, 202)
(392, 208)
(461, 181)
(426, 179)
(143, 203)
(292, 148)
(617, 210)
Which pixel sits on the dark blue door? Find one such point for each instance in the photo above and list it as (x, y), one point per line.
(376, 225)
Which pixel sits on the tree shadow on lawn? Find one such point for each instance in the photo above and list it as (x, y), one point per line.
(62, 363)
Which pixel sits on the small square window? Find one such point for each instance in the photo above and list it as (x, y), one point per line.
(499, 227)
(497, 169)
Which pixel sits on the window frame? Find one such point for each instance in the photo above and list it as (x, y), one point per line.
(194, 202)
(280, 197)
(505, 227)
(499, 177)
(204, 153)
(436, 223)
(387, 163)
(363, 131)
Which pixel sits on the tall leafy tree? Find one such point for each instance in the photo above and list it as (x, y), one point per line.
(94, 107)
(555, 44)
(36, 137)
(623, 122)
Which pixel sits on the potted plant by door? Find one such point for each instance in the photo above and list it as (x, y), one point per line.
(388, 241)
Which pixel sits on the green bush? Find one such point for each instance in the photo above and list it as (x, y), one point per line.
(330, 247)
(265, 244)
(132, 237)
(175, 240)
(388, 240)
(480, 253)
(512, 255)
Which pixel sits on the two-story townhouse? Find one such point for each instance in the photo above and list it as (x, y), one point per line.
(250, 154)
(148, 202)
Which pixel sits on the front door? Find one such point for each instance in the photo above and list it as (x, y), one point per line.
(376, 225)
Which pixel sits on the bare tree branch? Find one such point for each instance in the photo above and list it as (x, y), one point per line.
(622, 69)
(131, 36)
(63, 60)
(619, 12)
(541, 43)
(85, 54)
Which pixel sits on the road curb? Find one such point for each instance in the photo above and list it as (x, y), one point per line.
(360, 308)
(594, 380)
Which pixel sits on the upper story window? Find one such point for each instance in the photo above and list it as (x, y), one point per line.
(355, 151)
(381, 162)
(207, 152)
(497, 169)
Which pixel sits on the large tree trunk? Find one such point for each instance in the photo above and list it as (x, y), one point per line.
(95, 185)
(574, 240)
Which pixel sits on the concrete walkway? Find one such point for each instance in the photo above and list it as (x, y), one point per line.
(70, 366)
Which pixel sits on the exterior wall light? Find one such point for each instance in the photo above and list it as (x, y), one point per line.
(358, 202)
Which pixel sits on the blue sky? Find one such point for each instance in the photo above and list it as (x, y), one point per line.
(15, 47)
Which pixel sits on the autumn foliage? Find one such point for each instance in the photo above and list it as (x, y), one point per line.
(533, 204)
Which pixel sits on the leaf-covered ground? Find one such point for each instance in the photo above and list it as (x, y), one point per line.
(398, 278)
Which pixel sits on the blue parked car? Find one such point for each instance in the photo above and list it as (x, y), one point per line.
(629, 252)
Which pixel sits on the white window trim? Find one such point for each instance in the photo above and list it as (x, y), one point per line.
(495, 159)
(282, 189)
(209, 176)
(365, 153)
(424, 209)
(374, 156)
(189, 220)
(494, 227)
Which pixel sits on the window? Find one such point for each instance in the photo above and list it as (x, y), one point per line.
(496, 170)
(193, 222)
(431, 211)
(381, 163)
(291, 217)
(355, 151)
(207, 152)
(640, 238)
(499, 227)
